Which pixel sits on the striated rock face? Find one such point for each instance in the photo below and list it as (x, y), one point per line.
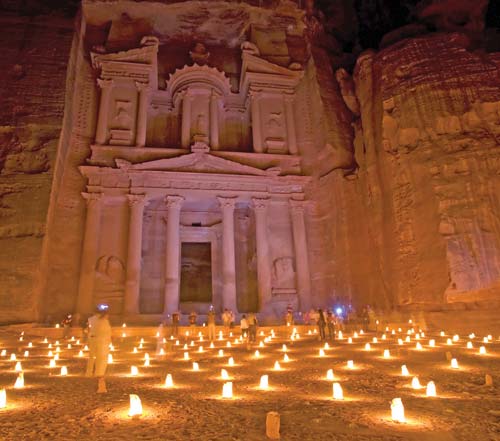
(34, 59)
(421, 219)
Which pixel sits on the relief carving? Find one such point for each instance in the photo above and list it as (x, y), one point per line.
(283, 275)
(109, 275)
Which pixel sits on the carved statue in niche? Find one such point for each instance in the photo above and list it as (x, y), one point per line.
(313, 19)
(201, 128)
(109, 275)
(283, 277)
(122, 119)
(199, 54)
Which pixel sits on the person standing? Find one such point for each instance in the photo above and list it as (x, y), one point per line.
(226, 319)
(211, 324)
(244, 326)
(99, 341)
(176, 317)
(330, 319)
(252, 327)
(321, 324)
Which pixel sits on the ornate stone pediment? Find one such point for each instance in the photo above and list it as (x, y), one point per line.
(199, 161)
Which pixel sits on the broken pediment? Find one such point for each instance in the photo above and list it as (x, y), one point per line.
(199, 161)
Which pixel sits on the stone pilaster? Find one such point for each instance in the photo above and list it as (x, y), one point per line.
(263, 258)
(142, 113)
(101, 136)
(291, 136)
(301, 254)
(214, 120)
(173, 258)
(258, 145)
(228, 254)
(85, 303)
(186, 120)
(132, 287)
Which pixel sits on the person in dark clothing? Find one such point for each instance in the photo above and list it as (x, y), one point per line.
(330, 321)
(321, 324)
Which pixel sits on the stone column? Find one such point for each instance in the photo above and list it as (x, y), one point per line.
(258, 145)
(263, 257)
(228, 255)
(186, 120)
(172, 270)
(301, 254)
(291, 136)
(101, 135)
(89, 253)
(214, 120)
(142, 113)
(131, 301)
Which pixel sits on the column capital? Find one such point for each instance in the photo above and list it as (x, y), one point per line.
(135, 200)
(104, 84)
(173, 201)
(288, 97)
(92, 197)
(297, 206)
(260, 204)
(255, 93)
(227, 202)
(143, 87)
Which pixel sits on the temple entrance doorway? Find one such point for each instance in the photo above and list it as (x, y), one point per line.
(196, 273)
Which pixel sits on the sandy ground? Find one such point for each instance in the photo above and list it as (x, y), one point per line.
(52, 407)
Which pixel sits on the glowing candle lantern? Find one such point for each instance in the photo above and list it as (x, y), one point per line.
(367, 347)
(30, 345)
(135, 408)
(212, 345)
(400, 341)
(432, 343)
(418, 346)
(3, 353)
(454, 363)
(261, 344)
(162, 351)
(264, 382)
(257, 354)
(442, 334)
(230, 334)
(185, 347)
(485, 339)
(326, 346)
(469, 345)
(52, 363)
(3, 399)
(224, 375)
(58, 350)
(456, 337)
(134, 371)
(221, 353)
(64, 371)
(482, 350)
(147, 362)
(19, 384)
(338, 393)
(397, 410)
(80, 353)
(285, 358)
(472, 336)
(50, 346)
(387, 353)
(78, 342)
(321, 352)
(277, 366)
(415, 383)
(404, 371)
(56, 357)
(200, 349)
(110, 359)
(407, 339)
(134, 351)
(349, 340)
(374, 340)
(350, 364)
(355, 335)
(417, 336)
(329, 375)
(422, 334)
(227, 390)
(124, 334)
(69, 346)
(168, 381)
(177, 343)
(340, 335)
(230, 362)
(57, 326)
(141, 346)
(490, 337)
(430, 390)
(192, 343)
(18, 367)
(384, 337)
(196, 366)
(284, 348)
(26, 353)
(449, 342)
(361, 332)
(309, 332)
(12, 357)
(228, 344)
(186, 355)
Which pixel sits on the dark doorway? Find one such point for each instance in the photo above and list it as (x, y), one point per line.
(196, 272)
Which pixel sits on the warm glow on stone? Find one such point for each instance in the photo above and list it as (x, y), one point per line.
(168, 381)
(135, 408)
(430, 390)
(338, 393)
(397, 410)
(264, 382)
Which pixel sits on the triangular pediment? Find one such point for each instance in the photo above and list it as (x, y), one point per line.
(197, 162)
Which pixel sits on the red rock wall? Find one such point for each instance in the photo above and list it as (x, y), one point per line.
(421, 217)
(33, 71)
